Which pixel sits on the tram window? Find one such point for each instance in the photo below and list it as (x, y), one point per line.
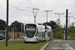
(30, 29)
(30, 33)
(36, 33)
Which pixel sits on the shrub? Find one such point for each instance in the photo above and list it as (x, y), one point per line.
(58, 35)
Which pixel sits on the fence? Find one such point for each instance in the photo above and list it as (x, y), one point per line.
(17, 34)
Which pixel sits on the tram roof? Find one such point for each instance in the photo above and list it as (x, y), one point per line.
(38, 24)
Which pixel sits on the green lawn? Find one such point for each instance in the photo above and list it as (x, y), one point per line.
(20, 45)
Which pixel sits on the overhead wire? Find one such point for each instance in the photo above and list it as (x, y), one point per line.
(30, 3)
(22, 9)
(61, 5)
(19, 8)
(15, 7)
(64, 6)
(40, 9)
(59, 2)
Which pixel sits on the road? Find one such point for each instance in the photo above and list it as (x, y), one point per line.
(61, 45)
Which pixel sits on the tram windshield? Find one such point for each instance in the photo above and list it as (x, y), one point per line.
(30, 30)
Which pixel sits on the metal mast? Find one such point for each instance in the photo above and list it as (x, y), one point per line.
(47, 14)
(69, 19)
(35, 11)
(59, 15)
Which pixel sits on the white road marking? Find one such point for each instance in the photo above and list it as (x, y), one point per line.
(69, 46)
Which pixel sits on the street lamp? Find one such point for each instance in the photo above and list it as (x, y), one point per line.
(35, 11)
(47, 14)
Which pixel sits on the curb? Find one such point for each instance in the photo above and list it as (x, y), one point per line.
(65, 41)
(43, 48)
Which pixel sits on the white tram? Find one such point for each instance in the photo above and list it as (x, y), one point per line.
(34, 32)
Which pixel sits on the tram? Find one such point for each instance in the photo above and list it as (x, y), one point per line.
(35, 32)
(2, 34)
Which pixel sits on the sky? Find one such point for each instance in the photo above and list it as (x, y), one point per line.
(21, 10)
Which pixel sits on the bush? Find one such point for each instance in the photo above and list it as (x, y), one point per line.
(58, 35)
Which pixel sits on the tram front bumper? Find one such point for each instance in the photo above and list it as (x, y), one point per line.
(30, 39)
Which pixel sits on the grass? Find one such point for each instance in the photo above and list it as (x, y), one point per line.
(20, 45)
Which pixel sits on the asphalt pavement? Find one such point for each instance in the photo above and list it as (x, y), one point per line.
(61, 45)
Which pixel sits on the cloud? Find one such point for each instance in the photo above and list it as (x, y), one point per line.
(58, 6)
(1, 2)
(2, 5)
(15, 1)
(23, 19)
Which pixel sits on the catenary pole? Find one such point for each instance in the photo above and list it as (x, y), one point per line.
(46, 24)
(47, 14)
(59, 15)
(66, 22)
(35, 11)
(69, 19)
(7, 15)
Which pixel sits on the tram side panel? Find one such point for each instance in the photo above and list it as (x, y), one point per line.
(43, 36)
(49, 32)
(41, 33)
(39, 36)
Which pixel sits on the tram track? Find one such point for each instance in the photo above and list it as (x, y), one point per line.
(26, 47)
(21, 48)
